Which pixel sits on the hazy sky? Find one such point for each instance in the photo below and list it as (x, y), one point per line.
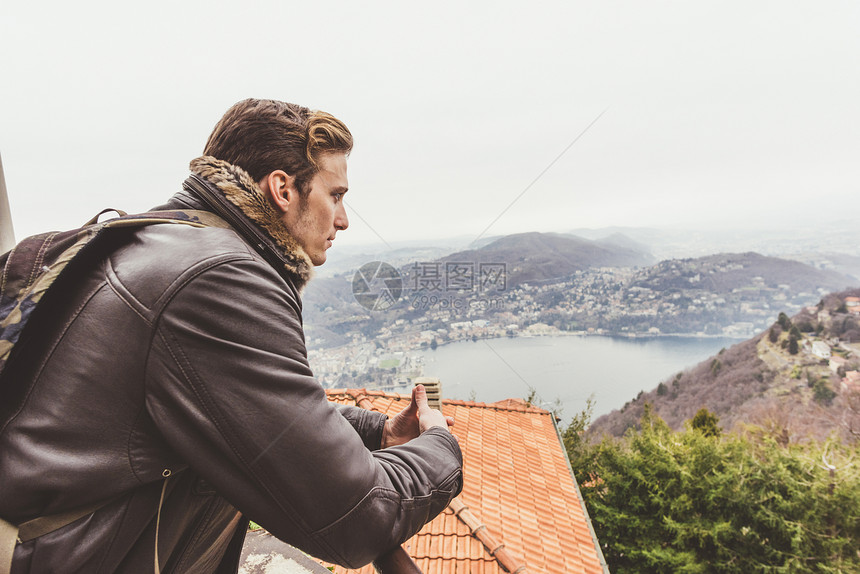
(715, 114)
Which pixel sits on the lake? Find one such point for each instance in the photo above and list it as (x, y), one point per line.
(567, 368)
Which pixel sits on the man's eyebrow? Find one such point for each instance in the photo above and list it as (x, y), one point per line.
(340, 189)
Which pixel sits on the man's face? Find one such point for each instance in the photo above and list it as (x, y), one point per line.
(320, 214)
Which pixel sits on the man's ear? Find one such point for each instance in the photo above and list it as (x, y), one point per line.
(280, 189)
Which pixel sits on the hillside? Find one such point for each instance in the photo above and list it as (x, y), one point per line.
(761, 381)
(729, 272)
(837, 239)
(536, 256)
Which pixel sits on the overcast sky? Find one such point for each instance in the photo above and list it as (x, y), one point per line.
(714, 114)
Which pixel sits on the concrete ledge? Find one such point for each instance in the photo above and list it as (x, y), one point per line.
(265, 554)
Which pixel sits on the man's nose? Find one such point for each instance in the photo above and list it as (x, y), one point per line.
(341, 221)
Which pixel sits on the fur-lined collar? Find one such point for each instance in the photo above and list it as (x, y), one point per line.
(238, 187)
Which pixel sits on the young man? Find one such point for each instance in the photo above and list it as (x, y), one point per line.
(169, 387)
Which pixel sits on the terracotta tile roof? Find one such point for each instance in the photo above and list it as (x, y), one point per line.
(520, 509)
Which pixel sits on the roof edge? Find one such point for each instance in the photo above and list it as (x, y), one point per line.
(479, 530)
(600, 556)
(364, 393)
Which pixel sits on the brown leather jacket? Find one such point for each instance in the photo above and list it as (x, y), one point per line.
(182, 353)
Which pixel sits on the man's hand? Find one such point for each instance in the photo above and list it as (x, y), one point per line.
(396, 561)
(413, 420)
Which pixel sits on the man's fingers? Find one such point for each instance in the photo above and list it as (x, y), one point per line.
(428, 417)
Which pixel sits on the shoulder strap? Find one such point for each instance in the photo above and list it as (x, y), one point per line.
(11, 535)
(8, 541)
(32, 266)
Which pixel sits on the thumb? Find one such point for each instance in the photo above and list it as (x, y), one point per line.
(419, 397)
(413, 406)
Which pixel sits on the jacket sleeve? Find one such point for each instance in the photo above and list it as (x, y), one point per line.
(368, 424)
(229, 387)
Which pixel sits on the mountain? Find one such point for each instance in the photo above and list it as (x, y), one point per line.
(726, 273)
(839, 262)
(527, 257)
(760, 381)
(531, 257)
(625, 242)
(787, 241)
(346, 258)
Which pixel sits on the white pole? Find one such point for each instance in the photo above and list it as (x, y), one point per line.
(7, 233)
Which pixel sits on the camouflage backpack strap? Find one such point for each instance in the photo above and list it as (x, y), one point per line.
(32, 266)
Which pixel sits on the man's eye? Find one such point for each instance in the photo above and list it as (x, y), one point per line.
(338, 197)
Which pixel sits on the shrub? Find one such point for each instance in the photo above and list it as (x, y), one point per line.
(822, 392)
(716, 365)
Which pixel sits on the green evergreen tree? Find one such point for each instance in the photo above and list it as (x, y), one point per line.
(706, 422)
(772, 335)
(793, 347)
(684, 502)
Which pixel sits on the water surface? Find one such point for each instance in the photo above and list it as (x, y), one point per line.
(568, 368)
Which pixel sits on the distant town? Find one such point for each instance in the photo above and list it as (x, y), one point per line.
(735, 295)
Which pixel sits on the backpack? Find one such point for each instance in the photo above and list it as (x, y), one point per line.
(27, 273)
(37, 262)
